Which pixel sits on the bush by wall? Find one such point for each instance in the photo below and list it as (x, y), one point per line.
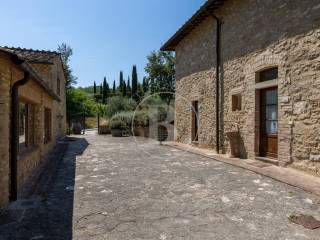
(118, 105)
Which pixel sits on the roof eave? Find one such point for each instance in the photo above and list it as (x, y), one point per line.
(26, 67)
(203, 13)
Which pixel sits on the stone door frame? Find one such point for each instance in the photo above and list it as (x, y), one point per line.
(257, 64)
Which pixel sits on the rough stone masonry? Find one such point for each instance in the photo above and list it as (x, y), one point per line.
(255, 36)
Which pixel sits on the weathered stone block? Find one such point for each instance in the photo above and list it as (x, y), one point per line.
(315, 158)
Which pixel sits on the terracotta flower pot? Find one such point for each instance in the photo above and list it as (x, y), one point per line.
(117, 132)
(141, 132)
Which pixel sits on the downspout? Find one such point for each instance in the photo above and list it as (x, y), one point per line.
(218, 62)
(14, 132)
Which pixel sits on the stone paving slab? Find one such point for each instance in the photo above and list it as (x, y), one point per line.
(289, 176)
(127, 188)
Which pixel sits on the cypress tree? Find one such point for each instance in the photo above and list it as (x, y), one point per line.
(134, 82)
(121, 81)
(94, 87)
(124, 89)
(145, 84)
(101, 89)
(128, 85)
(114, 86)
(104, 91)
(108, 91)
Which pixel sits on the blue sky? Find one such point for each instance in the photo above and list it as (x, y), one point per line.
(106, 35)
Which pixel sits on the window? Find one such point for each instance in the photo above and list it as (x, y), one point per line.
(269, 74)
(47, 125)
(23, 125)
(26, 126)
(58, 86)
(272, 112)
(236, 102)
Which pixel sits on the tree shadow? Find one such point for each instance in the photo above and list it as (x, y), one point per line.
(45, 207)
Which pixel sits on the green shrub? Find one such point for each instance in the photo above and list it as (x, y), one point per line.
(101, 109)
(122, 120)
(153, 100)
(141, 119)
(118, 105)
(79, 103)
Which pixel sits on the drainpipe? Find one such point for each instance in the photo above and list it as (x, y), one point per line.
(218, 62)
(14, 132)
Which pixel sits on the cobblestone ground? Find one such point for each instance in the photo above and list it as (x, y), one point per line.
(119, 188)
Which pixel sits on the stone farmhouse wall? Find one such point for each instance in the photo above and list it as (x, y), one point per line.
(5, 80)
(255, 35)
(195, 67)
(39, 99)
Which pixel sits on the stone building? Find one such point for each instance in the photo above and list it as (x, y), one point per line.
(32, 114)
(248, 80)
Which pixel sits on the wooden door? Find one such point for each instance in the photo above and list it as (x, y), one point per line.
(269, 123)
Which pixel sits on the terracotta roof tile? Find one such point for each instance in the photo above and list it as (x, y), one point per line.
(33, 56)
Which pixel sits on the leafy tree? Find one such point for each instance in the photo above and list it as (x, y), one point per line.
(65, 54)
(134, 83)
(161, 74)
(87, 89)
(120, 104)
(94, 87)
(140, 93)
(79, 103)
(101, 109)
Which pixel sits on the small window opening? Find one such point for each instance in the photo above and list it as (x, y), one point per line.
(47, 125)
(269, 74)
(23, 125)
(236, 102)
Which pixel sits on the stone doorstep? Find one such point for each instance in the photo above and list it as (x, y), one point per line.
(289, 176)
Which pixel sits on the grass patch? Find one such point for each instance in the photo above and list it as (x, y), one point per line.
(91, 122)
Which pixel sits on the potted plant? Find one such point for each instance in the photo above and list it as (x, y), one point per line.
(141, 124)
(120, 124)
(104, 127)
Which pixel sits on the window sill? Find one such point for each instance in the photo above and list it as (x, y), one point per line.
(267, 84)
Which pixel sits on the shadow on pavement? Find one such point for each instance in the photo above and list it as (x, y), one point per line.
(45, 208)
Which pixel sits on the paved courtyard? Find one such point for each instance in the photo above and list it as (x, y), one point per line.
(126, 188)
